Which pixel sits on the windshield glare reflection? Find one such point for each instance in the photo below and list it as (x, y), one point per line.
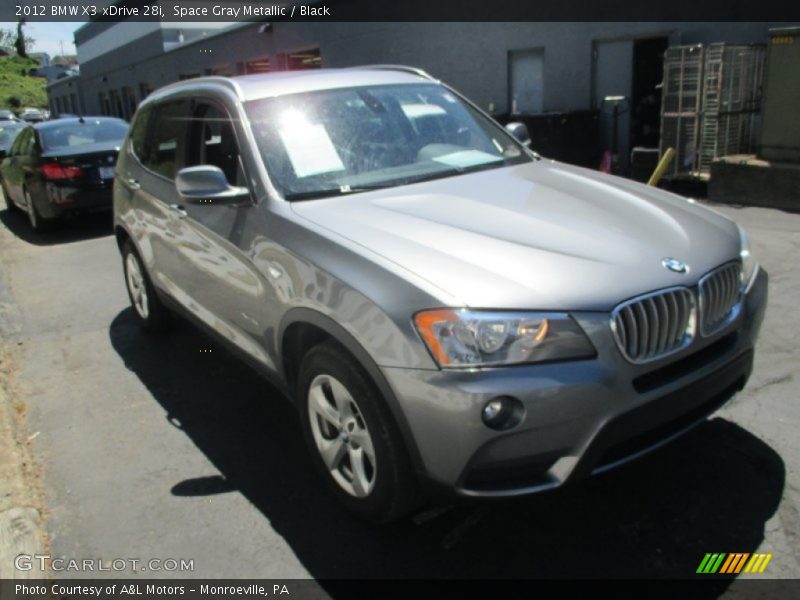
(342, 141)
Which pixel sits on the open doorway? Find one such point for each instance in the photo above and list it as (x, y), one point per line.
(648, 71)
(626, 78)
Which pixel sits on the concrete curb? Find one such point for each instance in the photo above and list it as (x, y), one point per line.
(20, 522)
(20, 533)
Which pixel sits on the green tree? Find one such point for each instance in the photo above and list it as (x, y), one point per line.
(8, 39)
(20, 43)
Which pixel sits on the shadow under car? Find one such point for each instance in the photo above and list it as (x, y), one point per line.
(711, 490)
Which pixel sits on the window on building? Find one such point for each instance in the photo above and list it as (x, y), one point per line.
(145, 89)
(116, 104)
(105, 104)
(297, 61)
(225, 70)
(257, 65)
(129, 102)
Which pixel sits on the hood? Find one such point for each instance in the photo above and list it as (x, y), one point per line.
(543, 235)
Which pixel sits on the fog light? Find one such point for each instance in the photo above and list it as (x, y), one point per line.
(503, 412)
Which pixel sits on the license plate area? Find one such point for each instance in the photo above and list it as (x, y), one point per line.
(106, 173)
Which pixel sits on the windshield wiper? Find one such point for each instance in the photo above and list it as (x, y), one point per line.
(342, 190)
(455, 171)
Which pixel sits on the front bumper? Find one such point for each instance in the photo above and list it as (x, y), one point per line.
(581, 417)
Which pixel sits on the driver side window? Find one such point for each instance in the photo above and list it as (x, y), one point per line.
(213, 142)
(162, 153)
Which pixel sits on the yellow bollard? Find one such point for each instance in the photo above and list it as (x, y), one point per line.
(661, 167)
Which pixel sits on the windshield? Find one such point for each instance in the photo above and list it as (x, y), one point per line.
(348, 140)
(80, 134)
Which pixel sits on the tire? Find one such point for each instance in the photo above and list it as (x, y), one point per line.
(153, 316)
(367, 466)
(38, 223)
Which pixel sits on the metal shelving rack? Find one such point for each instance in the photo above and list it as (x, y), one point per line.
(680, 105)
(710, 104)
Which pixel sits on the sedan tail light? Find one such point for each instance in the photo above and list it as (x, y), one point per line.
(55, 170)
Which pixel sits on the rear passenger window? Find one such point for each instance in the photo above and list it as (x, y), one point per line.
(165, 146)
(139, 132)
(22, 143)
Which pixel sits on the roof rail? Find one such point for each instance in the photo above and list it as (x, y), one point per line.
(213, 79)
(403, 68)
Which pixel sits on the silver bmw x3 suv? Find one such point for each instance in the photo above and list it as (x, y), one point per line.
(447, 309)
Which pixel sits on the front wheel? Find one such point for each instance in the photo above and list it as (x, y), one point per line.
(352, 437)
(151, 313)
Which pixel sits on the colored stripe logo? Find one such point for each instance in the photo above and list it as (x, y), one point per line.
(734, 563)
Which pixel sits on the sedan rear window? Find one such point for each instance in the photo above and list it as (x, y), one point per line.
(70, 135)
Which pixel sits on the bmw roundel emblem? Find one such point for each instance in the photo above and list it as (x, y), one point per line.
(675, 265)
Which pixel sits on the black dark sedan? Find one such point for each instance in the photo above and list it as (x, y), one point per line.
(62, 167)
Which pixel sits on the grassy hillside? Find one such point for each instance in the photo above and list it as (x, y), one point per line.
(14, 82)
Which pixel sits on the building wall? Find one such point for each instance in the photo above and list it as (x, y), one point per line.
(66, 96)
(473, 57)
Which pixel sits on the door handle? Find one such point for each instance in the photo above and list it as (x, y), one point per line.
(177, 208)
(132, 184)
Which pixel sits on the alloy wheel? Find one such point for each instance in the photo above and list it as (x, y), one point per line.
(136, 285)
(341, 436)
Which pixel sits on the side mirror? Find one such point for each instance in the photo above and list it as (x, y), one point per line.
(207, 184)
(520, 133)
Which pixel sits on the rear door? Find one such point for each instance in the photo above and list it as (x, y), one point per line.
(147, 180)
(14, 166)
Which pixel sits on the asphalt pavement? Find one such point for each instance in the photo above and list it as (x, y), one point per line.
(156, 448)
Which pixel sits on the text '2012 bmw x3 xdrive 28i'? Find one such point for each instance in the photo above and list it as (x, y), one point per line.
(446, 308)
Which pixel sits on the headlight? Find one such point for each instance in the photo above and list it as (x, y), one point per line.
(749, 263)
(465, 338)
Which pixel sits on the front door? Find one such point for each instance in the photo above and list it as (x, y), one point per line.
(227, 293)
